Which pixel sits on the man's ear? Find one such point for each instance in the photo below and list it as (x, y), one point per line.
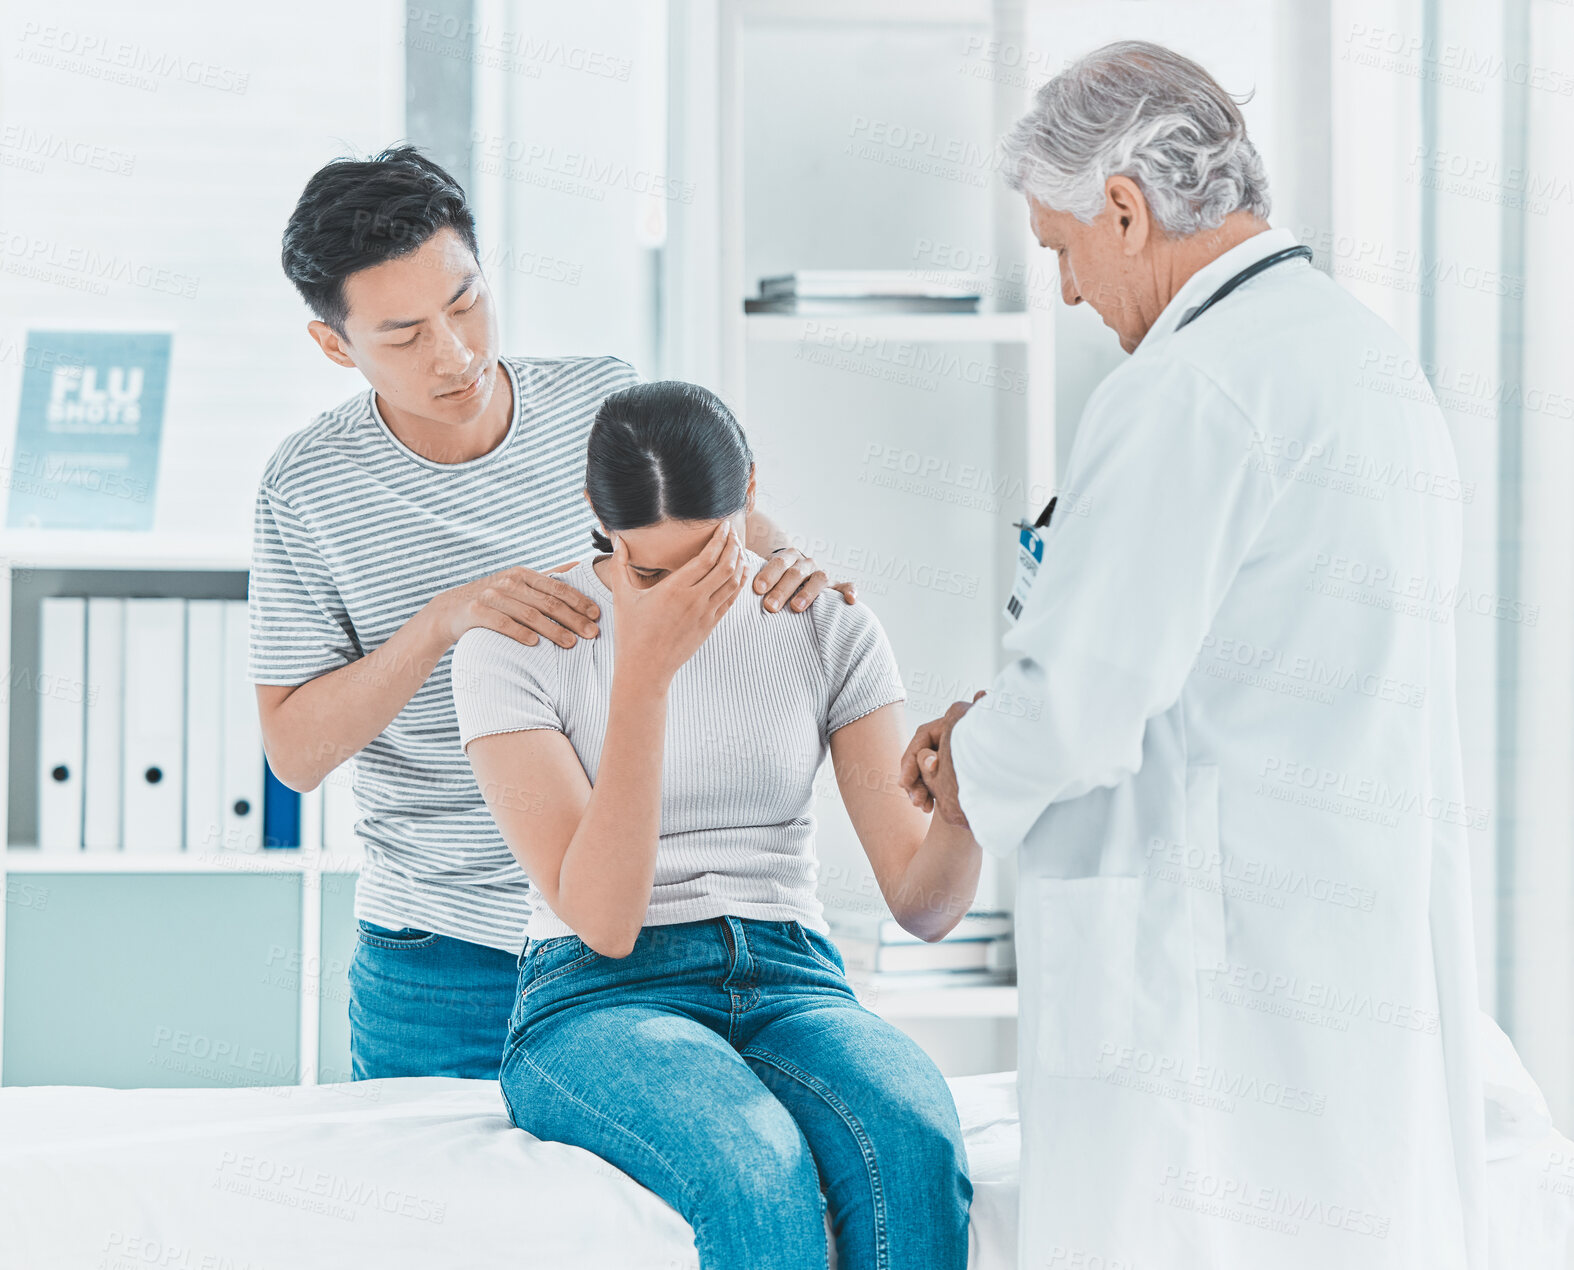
(333, 344)
(1128, 211)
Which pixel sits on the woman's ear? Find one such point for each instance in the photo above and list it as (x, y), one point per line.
(748, 494)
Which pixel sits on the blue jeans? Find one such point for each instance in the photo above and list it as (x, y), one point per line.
(423, 1004)
(727, 1066)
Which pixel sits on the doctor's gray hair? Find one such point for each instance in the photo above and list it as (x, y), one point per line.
(1138, 110)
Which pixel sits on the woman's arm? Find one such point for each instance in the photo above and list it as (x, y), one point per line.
(927, 869)
(591, 850)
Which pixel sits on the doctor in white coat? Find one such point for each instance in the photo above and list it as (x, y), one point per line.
(1229, 756)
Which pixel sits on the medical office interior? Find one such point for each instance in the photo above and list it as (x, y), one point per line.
(637, 168)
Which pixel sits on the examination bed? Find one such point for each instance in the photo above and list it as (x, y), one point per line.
(429, 1173)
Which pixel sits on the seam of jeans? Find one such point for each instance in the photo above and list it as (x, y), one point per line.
(383, 941)
(516, 1038)
(503, 1093)
(865, 1147)
(587, 956)
(599, 1115)
(808, 944)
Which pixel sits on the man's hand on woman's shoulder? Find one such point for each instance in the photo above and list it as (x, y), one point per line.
(788, 574)
(520, 603)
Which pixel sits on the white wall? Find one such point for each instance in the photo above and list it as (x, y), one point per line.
(571, 174)
(1539, 954)
(217, 130)
(1464, 350)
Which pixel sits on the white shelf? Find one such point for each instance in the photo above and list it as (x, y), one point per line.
(995, 1001)
(117, 549)
(934, 328)
(272, 860)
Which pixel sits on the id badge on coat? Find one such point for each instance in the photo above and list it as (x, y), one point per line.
(1030, 554)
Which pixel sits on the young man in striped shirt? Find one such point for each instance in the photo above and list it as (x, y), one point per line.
(434, 502)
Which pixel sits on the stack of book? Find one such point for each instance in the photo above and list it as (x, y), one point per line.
(848, 292)
(879, 953)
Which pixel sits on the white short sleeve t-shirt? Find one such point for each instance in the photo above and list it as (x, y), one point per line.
(749, 719)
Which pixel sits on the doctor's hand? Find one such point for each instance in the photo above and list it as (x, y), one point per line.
(928, 776)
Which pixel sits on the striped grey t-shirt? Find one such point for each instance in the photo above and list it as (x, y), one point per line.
(749, 719)
(354, 533)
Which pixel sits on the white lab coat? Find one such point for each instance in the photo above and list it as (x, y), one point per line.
(1229, 757)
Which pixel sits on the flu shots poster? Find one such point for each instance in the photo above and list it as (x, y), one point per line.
(89, 423)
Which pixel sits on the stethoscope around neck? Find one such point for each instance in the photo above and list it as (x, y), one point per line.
(1301, 252)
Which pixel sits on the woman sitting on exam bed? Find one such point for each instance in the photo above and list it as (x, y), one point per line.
(681, 1012)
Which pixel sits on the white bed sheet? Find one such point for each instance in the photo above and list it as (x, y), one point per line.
(423, 1172)
(1530, 1166)
(428, 1172)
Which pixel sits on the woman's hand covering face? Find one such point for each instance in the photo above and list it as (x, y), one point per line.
(659, 627)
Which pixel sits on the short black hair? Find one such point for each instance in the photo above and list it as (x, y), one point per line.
(354, 214)
(664, 451)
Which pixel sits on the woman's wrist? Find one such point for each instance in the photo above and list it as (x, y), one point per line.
(639, 685)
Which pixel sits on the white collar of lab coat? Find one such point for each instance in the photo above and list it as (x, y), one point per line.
(1213, 275)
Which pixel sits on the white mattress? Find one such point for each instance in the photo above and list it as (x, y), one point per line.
(427, 1172)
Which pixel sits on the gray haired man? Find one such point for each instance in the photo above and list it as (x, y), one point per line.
(1249, 1018)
